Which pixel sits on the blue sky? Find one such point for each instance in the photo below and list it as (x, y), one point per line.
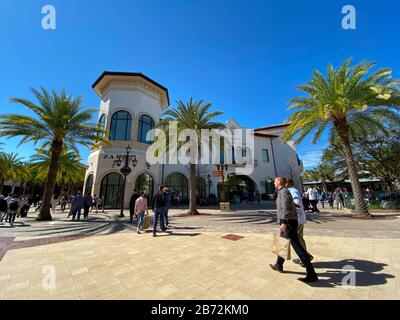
(246, 57)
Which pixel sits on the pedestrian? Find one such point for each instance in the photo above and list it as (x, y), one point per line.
(140, 210)
(3, 208)
(178, 198)
(312, 195)
(54, 203)
(168, 196)
(132, 202)
(322, 197)
(64, 201)
(77, 206)
(338, 199)
(13, 206)
(258, 197)
(330, 199)
(99, 204)
(86, 205)
(287, 216)
(158, 205)
(23, 211)
(94, 204)
(301, 216)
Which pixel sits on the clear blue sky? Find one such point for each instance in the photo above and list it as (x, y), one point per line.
(246, 57)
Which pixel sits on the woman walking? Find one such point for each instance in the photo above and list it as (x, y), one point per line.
(140, 209)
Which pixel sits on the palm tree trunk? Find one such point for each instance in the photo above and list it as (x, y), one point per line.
(44, 214)
(2, 182)
(343, 131)
(192, 200)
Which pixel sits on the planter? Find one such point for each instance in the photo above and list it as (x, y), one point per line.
(225, 206)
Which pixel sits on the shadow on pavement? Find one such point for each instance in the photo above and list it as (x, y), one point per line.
(362, 271)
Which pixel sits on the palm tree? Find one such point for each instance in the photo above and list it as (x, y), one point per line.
(346, 99)
(60, 121)
(192, 115)
(11, 167)
(70, 169)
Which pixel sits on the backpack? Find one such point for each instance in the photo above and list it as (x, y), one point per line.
(13, 205)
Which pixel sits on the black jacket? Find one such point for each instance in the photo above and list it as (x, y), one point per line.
(3, 205)
(158, 200)
(132, 201)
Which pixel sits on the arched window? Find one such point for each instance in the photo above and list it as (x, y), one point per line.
(146, 123)
(102, 122)
(89, 184)
(120, 129)
(145, 183)
(111, 191)
(178, 182)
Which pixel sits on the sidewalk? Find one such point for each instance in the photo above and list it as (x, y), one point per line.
(197, 266)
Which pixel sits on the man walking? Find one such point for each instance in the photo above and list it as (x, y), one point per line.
(312, 195)
(158, 205)
(301, 216)
(3, 208)
(77, 205)
(87, 204)
(168, 196)
(287, 217)
(13, 206)
(140, 210)
(132, 202)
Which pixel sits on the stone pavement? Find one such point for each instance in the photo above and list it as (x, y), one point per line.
(191, 265)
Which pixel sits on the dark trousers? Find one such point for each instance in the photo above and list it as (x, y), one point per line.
(76, 213)
(314, 204)
(158, 214)
(166, 216)
(12, 216)
(292, 227)
(131, 213)
(86, 211)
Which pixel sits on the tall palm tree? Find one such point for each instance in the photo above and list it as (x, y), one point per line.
(59, 120)
(11, 167)
(193, 115)
(70, 169)
(347, 98)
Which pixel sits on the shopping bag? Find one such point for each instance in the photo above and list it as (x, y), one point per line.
(281, 247)
(146, 223)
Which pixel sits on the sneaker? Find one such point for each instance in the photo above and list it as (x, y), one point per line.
(138, 232)
(309, 279)
(297, 261)
(276, 268)
(154, 235)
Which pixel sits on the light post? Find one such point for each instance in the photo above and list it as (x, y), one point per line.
(125, 171)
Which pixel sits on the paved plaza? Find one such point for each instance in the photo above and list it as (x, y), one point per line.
(104, 258)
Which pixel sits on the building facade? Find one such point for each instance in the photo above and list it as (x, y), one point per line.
(130, 106)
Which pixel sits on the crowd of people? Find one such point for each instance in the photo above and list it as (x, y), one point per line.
(313, 196)
(13, 206)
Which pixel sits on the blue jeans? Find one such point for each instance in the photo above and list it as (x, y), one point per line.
(76, 211)
(158, 214)
(140, 220)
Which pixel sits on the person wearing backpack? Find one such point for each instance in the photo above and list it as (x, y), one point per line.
(13, 207)
(3, 208)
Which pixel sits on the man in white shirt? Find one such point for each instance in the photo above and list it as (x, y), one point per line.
(312, 195)
(301, 215)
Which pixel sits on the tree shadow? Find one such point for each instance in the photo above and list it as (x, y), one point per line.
(362, 271)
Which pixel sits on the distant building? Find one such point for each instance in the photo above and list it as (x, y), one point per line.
(130, 105)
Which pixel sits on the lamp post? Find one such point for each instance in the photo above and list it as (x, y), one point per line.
(125, 171)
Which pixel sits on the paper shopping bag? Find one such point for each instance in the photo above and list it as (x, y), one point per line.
(146, 223)
(281, 247)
